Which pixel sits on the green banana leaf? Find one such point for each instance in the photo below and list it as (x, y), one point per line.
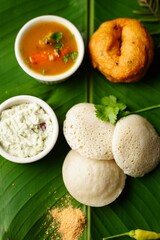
(28, 191)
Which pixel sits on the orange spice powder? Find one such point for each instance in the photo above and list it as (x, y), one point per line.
(71, 222)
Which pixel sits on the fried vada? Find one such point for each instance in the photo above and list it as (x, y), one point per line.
(122, 50)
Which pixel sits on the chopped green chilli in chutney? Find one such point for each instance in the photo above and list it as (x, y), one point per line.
(49, 48)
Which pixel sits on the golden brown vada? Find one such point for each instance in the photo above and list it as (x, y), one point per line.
(122, 50)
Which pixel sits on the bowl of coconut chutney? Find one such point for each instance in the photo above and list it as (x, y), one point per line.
(28, 129)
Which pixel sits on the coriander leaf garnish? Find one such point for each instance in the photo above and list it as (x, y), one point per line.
(56, 37)
(59, 45)
(108, 114)
(65, 58)
(71, 55)
(111, 109)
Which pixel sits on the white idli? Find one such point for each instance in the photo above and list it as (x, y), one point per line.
(91, 182)
(87, 134)
(135, 145)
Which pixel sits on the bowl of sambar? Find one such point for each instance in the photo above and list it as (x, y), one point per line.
(49, 48)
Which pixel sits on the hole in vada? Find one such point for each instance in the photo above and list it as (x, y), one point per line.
(115, 43)
(114, 48)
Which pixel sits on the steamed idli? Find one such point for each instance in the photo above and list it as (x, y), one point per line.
(87, 134)
(91, 182)
(135, 145)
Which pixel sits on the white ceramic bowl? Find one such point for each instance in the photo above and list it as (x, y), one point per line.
(17, 100)
(55, 78)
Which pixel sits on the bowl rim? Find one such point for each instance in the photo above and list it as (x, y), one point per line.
(28, 99)
(49, 18)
